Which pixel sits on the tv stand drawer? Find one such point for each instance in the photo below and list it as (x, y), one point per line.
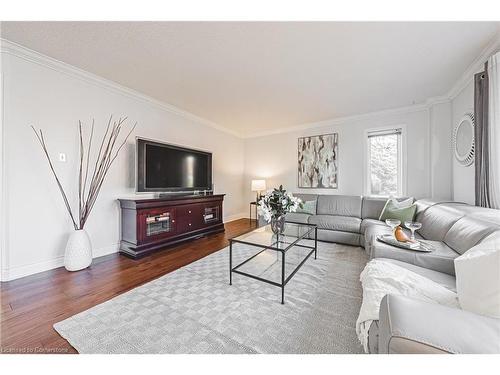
(191, 210)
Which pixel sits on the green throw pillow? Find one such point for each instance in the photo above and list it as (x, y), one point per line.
(309, 208)
(392, 211)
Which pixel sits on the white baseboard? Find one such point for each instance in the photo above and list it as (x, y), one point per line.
(17, 272)
(240, 215)
(34, 268)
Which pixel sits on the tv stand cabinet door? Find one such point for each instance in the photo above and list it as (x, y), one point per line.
(211, 214)
(154, 231)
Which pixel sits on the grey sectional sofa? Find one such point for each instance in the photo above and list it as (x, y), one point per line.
(406, 325)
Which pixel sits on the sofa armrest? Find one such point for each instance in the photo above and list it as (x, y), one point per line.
(411, 326)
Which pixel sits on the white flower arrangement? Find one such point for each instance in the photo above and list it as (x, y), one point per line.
(278, 202)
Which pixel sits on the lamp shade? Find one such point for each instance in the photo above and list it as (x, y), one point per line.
(258, 185)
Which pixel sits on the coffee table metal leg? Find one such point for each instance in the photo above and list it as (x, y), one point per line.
(316, 243)
(283, 277)
(230, 262)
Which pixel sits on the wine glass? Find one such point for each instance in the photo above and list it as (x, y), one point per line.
(413, 226)
(393, 223)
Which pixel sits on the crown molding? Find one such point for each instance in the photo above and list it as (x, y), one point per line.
(12, 48)
(427, 105)
(341, 120)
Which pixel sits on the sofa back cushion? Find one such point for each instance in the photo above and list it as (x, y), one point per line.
(437, 220)
(371, 208)
(467, 232)
(341, 205)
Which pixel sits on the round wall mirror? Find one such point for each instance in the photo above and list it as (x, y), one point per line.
(463, 140)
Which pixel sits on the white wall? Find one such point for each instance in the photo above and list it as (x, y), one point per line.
(53, 98)
(463, 177)
(441, 173)
(274, 157)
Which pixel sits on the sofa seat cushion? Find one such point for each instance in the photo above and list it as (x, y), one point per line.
(337, 236)
(371, 229)
(443, 279)
(368, 222)
(297, 217)
(440, 259)
(341, 223)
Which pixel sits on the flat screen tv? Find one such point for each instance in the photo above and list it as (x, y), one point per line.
(163, 167)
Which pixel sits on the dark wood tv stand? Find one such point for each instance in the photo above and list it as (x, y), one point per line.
(152, 224)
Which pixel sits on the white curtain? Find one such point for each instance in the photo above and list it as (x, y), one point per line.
(494, 129)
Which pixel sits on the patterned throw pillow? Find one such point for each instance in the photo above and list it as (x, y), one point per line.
(309, 208)
(402, 211)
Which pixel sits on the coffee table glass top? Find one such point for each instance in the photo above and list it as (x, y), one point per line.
(264, 236)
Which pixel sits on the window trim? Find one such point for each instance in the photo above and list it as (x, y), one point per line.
(402, 167)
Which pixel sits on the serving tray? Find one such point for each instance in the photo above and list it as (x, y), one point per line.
(389, 239)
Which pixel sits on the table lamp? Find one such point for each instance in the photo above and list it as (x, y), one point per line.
(258, 186)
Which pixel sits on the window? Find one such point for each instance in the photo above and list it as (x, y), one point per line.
(384, 163)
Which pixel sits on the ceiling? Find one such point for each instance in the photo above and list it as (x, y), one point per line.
(261, 76)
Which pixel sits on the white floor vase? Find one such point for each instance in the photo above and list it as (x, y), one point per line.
(78, 254)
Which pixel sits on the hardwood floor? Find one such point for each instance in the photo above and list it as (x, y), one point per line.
(31, 305)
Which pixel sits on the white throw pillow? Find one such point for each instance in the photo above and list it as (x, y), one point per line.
(478, 278)
(403, 204)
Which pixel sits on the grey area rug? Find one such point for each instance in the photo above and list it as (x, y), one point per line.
(195, 310)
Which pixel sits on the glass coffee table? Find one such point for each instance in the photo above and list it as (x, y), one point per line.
(278, 257)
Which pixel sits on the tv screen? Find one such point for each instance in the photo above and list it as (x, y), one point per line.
(164, 167)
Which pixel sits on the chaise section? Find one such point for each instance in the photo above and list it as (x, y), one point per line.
(447, 227)
(408, 326)
(443, 279)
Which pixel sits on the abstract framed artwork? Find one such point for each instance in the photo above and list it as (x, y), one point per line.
(318, 161)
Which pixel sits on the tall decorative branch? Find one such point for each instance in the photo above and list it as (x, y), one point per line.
(39, 135)
(89, 189)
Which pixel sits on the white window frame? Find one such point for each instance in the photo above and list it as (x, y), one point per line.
(402, 160)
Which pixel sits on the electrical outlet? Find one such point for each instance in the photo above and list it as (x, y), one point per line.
(62, 157)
